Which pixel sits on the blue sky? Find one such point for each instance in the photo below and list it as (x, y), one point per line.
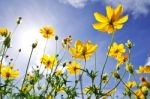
(70, 17)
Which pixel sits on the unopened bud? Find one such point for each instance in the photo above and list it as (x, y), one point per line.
(19, 20)
(129, 68)
(116, 75)
(34, 45)
(129, 44)
(56, 37)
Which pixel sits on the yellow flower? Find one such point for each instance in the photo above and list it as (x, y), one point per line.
(49, 61)
(30, 77)
(86, 90)
(4, 32)
(59, 72)
(122, 59)
(66, 42)
(143, 69)
(139, 94)
(26, 88)
(117, 50)
(73, 68)
(145, 82)
(83, 51)
(131, 84)
(8, 72)
(49, 97)
(112, 22)
(60, 89)
(47, 32)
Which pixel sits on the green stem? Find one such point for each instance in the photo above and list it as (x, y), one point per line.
(112, 40)
(27, 67)
(127, 86)
(80, 79)
(95, 63)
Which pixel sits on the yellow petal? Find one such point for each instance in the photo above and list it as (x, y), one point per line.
(109, 12)
(118, 11)
(119, 26)
(121, 20)
(99, 17)
(99, 25)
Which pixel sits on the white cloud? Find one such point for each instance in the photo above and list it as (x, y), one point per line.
(75, 3)
(136, 7)
(148, 61)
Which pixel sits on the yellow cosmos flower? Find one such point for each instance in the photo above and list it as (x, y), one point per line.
(60, 89)
(47, 32)
(86, 90)
(139, 94)
(83, 51)
(30, 77)
(8, 72)
(112, 21)
(59, 72)
(143, 69)
(4, 32)
(49, 61)
(122, 59)
(74, 68)
(117, 50)
(67, 42)
(26, 88)
(131, 84)
(145, 82)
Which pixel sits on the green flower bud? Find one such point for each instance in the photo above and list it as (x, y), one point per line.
(129, 68)
(116, 75)
(129, 44)
(34, 45)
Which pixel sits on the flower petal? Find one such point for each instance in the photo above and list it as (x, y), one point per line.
(99, 17)
(109, 12)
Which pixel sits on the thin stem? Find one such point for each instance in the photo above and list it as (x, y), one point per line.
(117, 83)
(27, 67)
(95, 63)
(112, 40)
(127, 86)
(80, 79)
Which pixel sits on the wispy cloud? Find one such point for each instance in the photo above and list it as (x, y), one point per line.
(148, 61)
(136, 7)
(75, 3)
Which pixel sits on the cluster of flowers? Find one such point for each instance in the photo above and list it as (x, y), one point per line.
(56, 81)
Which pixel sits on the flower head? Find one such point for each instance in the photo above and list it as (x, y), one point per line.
(131, 84)
(4, 32)
(8, 72)
(73, 68)
(122, 59)
(66, 42)
(112, 21)
(47, 32)
(49, 61)
(59, 72)
(144, 69)
(83, 51)
(117, 50)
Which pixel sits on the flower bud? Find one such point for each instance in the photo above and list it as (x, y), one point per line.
(7, 41)
(116, 75)
(56, 37)
(129, 44)
(129, 68)
(34, 45)
(19, 20)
